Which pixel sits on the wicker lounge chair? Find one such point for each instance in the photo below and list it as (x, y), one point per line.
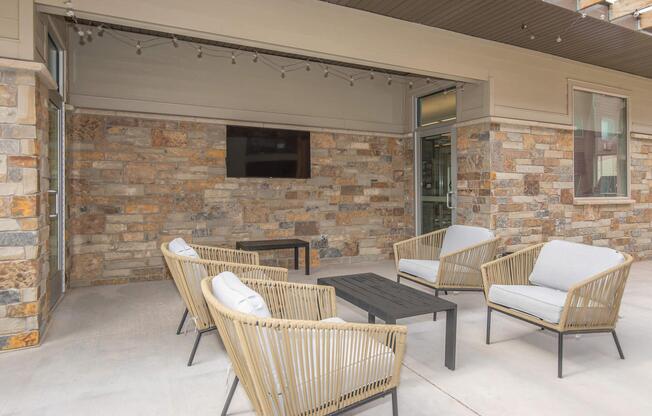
(448, 259)
(564, 287)
(187, 270)
(290, 363)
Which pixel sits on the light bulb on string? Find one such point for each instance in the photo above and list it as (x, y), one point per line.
(371, 74)
(175, 41)
(307, 66)
(100, 30)
(326, 72)
(232, 58)
(389, 80)
(559, 39)
(410, 84)
(139, 48)
(351, 81)
(283, 73)
(428, 81)
(200, 52)
(255, 56)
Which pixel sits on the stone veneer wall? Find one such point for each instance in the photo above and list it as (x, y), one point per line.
(136, 182)
(518, 180)
(23, 208)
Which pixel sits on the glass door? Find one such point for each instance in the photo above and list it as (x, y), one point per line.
(437, 182)
(56, 282)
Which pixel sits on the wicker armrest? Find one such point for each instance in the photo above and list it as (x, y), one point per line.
(296, 300)
(595, 302)
(514, 269)
(462, 268)
(247, 271)
(226, 254)
(423, 247)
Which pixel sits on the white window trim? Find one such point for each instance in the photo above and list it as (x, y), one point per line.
(574, 85)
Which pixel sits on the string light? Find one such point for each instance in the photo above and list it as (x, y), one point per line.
(87, 31)
(558, 39)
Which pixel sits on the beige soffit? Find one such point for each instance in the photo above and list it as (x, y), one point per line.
(589, 40)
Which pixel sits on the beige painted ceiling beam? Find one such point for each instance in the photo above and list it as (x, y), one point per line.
(627, 7)
(585, 4)
(645, 21)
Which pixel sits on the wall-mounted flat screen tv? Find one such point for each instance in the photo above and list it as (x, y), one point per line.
(255, 152)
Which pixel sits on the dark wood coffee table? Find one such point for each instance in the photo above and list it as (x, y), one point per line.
(389, 301)
(295, 243)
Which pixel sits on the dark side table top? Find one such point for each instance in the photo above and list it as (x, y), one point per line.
(271, 244)
(385, 298)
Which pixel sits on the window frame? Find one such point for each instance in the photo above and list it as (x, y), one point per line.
(613, 92)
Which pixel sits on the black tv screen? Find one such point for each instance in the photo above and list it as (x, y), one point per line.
(255, 152)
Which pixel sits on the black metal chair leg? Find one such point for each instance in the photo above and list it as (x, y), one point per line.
(398, 279)
(488, 338)
(230, 396)
(620, 350)
(394, 403)
(434, 315)
(183, 320)
(560, 353)
(194, 348)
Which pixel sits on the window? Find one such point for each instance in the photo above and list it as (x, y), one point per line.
(436, 108)
(54, 61)
(600, 144)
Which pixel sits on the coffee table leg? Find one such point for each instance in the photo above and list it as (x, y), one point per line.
(307, 249)
(371, 319)
(451, 338)
(296, 258)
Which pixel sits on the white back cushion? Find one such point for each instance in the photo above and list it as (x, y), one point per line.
(180, 247)
(561, 264)
(458, 237)
(234, 294)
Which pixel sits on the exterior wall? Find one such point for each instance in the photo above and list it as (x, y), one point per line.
(17, 29)
(23, 208)
(524, 85)
(136, 182)
(527, 196)
(107, 75)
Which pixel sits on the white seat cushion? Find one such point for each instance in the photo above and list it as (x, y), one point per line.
(234, 294)
(561, 264)
(180, 247)
(425, 269)
(542, 302)
(458, 237)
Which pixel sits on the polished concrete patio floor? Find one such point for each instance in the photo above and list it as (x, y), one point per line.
(113, 351)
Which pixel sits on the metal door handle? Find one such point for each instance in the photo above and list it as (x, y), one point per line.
(56, 203)
(449, 200)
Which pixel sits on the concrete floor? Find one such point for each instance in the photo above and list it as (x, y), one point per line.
(113, 351)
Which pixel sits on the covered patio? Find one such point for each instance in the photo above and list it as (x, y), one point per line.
(339, 206)
(133, 363)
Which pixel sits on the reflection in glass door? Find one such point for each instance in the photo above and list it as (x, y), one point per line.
(55, 281)
(436, 182)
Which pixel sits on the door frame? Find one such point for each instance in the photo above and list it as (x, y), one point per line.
(419, 134)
